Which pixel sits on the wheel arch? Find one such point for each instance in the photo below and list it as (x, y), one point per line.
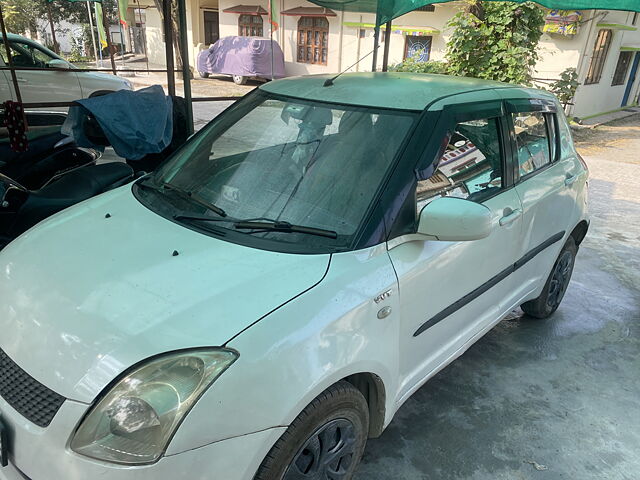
(99, 93)
(373, 390)
(580, 231)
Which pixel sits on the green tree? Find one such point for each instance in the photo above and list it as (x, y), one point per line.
(21, 15)
(495, 41)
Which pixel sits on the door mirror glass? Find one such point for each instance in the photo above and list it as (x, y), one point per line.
(455, 219)
(57, 63)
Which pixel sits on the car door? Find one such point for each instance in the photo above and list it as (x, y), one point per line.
(41, 84)
(544, 177)
(451, 292)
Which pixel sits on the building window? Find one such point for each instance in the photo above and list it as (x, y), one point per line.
(250, 26)
(599, 56)
(417, 47)
(426, 8)
(313, 40)
(211, 29)
(622, 68)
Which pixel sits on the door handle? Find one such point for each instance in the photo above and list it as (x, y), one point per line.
(21, 79)
(570, 180)
(510, 217)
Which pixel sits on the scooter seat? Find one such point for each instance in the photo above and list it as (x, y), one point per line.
(85, 182)
(74, 187)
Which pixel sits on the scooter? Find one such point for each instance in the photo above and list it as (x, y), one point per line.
(21, 208)
(51, 154)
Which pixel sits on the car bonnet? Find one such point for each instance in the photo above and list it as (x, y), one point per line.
(106, 284)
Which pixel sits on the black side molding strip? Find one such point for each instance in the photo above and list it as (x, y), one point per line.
(469, 297)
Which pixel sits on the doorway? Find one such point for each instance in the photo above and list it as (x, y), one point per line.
(632, 79)
(211, 27)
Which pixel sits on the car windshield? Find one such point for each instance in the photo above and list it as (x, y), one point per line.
(272, 159)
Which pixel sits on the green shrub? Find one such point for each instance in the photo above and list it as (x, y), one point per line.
(414, 65)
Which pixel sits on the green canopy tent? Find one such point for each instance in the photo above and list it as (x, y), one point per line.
(387, 10)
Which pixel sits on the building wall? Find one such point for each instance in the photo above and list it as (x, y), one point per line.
(348, 43)
(602, 96)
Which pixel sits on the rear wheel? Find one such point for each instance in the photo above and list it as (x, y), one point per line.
(556, 286)
(239, 80)
(326, 441)
(203, 74)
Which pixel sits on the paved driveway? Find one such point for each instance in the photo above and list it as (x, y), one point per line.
(550, 399)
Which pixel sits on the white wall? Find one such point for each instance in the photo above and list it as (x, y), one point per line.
(603, 97)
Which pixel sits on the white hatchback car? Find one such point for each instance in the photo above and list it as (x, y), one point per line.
(42, 84)
(270, 297)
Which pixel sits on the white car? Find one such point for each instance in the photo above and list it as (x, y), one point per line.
(269, 298)
(42, 84)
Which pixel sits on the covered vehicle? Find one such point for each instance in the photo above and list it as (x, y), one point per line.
(243, 58)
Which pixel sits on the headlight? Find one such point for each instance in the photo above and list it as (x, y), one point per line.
(134, 422)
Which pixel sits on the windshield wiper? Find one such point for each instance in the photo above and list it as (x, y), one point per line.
(284, 227)
(195, 197)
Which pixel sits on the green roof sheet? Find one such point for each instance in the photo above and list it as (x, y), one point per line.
(387, 10)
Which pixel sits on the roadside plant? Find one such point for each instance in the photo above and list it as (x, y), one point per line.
(566, 86)
(495, 41)
(413, 64)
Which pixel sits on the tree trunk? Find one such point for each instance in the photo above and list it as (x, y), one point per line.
(56, 47)
(476, 8)
(176, 32)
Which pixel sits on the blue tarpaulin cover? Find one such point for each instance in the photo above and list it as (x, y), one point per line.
(135, 123)
(244, 56)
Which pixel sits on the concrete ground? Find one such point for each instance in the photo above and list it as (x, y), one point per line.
(545, 399)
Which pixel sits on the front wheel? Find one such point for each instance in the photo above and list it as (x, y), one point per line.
(239, 80)
(326, 440)
(556, 286)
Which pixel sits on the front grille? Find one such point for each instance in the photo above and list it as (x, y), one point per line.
(26, 395)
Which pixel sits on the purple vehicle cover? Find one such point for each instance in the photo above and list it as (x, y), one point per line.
(245, 56)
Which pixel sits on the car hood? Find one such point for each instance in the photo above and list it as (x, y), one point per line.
(85, 295)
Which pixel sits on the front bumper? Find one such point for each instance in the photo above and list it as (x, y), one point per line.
(44, 454)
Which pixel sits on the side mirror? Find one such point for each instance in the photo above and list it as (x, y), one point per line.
(455, 219)
(57, 63)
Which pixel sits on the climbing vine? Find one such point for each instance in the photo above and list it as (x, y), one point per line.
(495, 41)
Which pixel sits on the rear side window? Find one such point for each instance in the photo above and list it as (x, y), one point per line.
(470, 168)
(536, 143)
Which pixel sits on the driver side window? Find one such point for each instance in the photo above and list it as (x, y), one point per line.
(24, 55)
(471, 166)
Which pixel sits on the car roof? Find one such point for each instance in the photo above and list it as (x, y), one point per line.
(15, 37)
(395, 90)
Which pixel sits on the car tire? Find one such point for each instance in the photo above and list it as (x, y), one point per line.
(239, 80)
(203, 74)
(326, 440)
(556, 285)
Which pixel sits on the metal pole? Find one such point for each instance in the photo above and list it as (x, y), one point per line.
(168, 45)
(376, 44)
(387, 42)
(5, 40)
(186, 72)
(93, 40)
